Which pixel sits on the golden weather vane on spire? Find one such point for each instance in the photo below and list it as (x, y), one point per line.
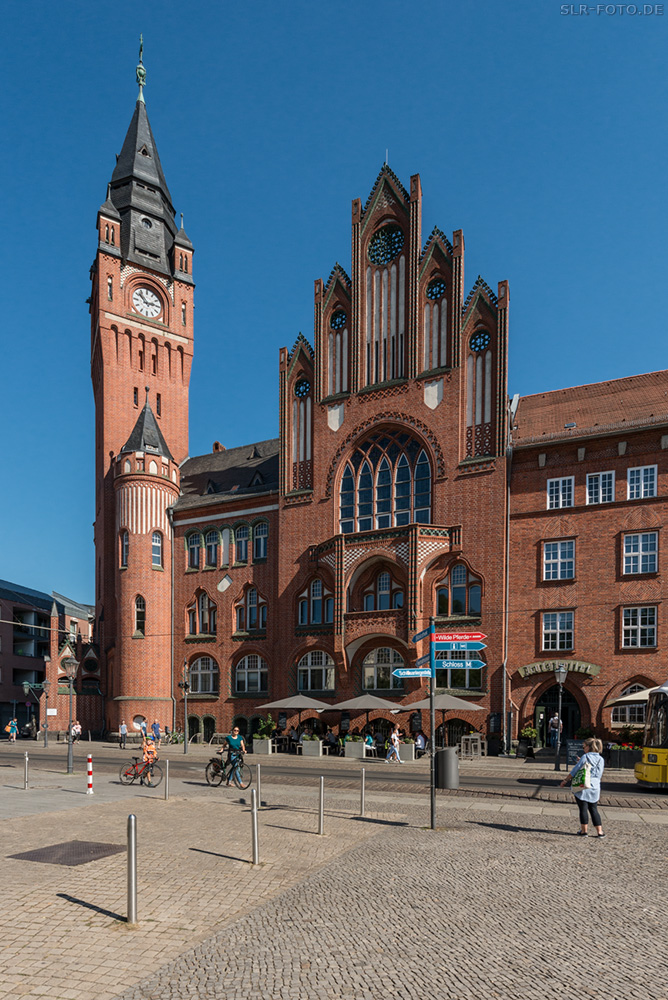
(141, 72)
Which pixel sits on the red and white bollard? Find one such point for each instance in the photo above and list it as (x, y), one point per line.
(89, 790)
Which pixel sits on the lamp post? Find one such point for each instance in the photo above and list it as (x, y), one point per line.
(36, 690)
(71, 666)
(560, 674)
(185, 686)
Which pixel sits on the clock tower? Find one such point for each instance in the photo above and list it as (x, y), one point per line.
(141, 355)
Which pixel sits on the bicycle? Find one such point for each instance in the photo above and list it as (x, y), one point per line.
(143, 770)
(172, 738)
(218, 770)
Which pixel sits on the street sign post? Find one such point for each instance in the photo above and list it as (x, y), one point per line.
(412, 672)
(462, 664)
(421, 635)
(457, 636)
(461, 645)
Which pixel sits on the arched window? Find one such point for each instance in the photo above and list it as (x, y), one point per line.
(386, 482)
(251, 675)
(260, 535)
(194, 546)
(156, 549)
(451, 674)
(251, 612)
(315, 672)
(242, 543)
(202, 615)
(337, 353)
(479, 395)
(316, 605)
(124, 548)
(383, 593)
(377, 669)
(211, 540)
(110, 289)
(633, 714)
(435, 324)
(140, 616)
(385, 302)
(459, 593)
(204, 676)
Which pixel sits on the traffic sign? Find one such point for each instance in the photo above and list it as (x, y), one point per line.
(411, 672)
(421, 635)
(423, 659)
(460, 645)
(463, 664)
(458, 636)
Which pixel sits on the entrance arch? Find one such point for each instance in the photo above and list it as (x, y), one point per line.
(547, 704)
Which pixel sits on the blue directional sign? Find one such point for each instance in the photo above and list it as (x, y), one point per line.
(460, 645)
(421, 635)
(464, 664)
(423, 659)
(411, 672)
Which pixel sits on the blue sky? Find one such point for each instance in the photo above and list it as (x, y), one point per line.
(542, 136)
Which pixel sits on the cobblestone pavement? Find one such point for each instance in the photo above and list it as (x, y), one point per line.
(485, 906)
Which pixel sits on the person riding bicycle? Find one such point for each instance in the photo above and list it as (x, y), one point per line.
(149, 755)
(235, 745)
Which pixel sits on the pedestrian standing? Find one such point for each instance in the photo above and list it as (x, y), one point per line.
(122, 734)
(155, 729)
(555, 725)
(76, 732)
(393, 752)
(587, 798)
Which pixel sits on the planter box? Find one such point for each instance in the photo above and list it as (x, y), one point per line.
(353, 749)
(312, 748)
(262, 746)
(624, 758)
(407, 751)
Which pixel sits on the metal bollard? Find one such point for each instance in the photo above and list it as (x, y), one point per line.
(256, 842)
(132, 869)
(362, 792)
(89, 789)
(25, 772)
(259, 788)
(166, 780)
(321, 811)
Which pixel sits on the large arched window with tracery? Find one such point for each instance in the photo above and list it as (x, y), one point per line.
(386, 482)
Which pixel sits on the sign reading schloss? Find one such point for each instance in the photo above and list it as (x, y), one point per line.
(458, 636)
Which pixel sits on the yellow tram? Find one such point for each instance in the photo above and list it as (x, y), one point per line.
(652, 770)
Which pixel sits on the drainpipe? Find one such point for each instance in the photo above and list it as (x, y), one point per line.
(506, 596)
(170, 515)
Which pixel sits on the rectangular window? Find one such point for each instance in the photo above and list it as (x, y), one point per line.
(642, 482)
(640, 552)
(558, 630)
(303, 612)
(135, 396)
(559, 560)
(560, 492)
(158, 405)
(601, 487)
(451, 674)
(638, 627)
(260, 533)
(242, 544)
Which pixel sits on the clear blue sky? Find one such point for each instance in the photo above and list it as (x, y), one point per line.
(542, 136)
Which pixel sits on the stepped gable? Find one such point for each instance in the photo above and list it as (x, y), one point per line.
(220, 475)
(594, 408)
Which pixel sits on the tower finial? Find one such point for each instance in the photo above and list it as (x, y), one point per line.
(141, 72)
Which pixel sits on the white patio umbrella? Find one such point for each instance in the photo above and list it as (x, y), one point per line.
(444, 703)
(638, 697)
(368, 703)
(297, 703)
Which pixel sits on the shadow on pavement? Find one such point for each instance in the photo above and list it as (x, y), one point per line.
(92, 906)
(380, 822)
(214, 854)
(512, 828)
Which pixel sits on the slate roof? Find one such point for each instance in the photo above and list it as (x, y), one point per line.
(223, 475)
(38, 599)
(146, 435)
(594, 409)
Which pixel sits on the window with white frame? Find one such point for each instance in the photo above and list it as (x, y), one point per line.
(251, 612)
(559, 560)
(204, 676)
(632, 714)
(600, 487)
(211, 542)
(640, 552)
(156, 550)
(251, 675)
(241, 535)
(194, 546)
(560, 492)
(453, 674)
(642, 482)
(378, 667)
(383, 593)
(315, 672)
(260, 535)
(316, 605)
(558, 630)
(638, 627)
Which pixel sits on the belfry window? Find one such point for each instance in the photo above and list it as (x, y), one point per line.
(386, 482)
(385, 299)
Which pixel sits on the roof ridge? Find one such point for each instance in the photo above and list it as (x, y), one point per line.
(385, 171)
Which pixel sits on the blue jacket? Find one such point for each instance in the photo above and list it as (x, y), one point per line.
(597, 764)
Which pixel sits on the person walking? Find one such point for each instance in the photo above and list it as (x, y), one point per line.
(13, 730)
(587, 798)
(122, 734)
(143, 728)
(155, 729)
(393, 752)
(76, 731)
(555, 725)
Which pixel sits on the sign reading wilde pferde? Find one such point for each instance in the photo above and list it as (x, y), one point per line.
(549, 666)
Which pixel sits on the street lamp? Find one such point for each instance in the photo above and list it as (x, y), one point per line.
(37, 690)
(185, 686)
(560, 675)
(71, 666)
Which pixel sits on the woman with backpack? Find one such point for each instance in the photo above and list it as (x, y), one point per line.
(585, 778)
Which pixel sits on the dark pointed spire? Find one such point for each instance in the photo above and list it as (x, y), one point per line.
(146, 435)
(181, 238)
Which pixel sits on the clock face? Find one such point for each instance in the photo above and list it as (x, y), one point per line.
(146, 302)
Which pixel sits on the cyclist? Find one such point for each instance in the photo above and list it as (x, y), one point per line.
(235, 745)
(150, 756)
